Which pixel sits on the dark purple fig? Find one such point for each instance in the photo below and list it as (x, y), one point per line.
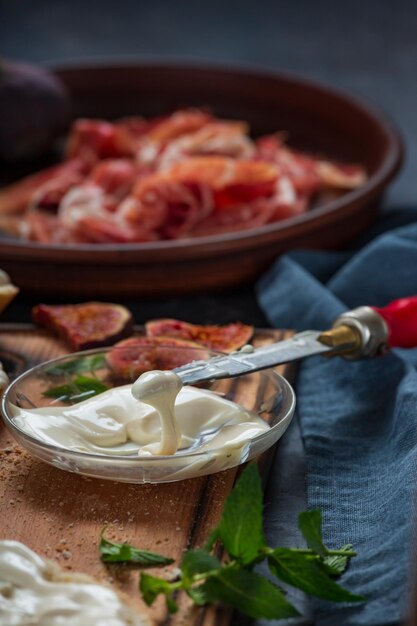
(34, 110)
(87, 325)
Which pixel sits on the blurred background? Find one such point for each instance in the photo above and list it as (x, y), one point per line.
(368, 48)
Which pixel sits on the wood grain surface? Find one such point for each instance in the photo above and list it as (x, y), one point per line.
(60, 515)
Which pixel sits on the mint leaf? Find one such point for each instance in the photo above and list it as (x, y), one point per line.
(61, 392)
(171, 604)
(112, 552)
(96, 362)
(79, 365)
(307, 572)
(337, 564)
(309, 522)
(249, 593)
(197, 562)
(240, 527)
(213, 537)
(151, 587)
(85, 383)
(81, 388)
(198, 595)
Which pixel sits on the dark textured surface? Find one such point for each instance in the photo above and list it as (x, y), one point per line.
(367, 48)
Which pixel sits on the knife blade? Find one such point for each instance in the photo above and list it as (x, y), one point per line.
(243, 362)
(362, 332)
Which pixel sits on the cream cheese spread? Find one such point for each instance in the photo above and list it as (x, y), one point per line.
(121, 421)
(35, 592)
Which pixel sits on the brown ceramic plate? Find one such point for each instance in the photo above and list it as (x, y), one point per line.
(315, 117)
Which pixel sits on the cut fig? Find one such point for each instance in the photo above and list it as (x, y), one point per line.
(131, 357)
(223, 338)
(87, 325)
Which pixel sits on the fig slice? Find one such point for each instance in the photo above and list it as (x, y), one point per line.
(87, 325)
(225, 338)
(131, 357)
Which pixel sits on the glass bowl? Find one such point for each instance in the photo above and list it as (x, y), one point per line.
(61, 382)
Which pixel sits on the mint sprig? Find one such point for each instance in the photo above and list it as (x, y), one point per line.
(112, 552)
(77, 386)
(233, 581)
(308, 573)
(78, 365)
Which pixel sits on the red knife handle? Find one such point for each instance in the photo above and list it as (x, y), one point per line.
(400, 317)
(369, 331)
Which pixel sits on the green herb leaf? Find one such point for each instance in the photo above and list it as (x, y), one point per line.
(240, 527)
(213, 537)
(81, 388)
(337, 564)
(198, 595)
(63, 392)
(97, 362)
(151, 587)
(309, 522)
(250, 593)
(307, 572)
(205, 579)
(171, 604)
(79, 365)
(112, 552)
(198, 562)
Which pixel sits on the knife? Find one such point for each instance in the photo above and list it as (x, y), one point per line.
(362, 332)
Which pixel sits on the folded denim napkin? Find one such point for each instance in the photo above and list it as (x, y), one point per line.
(358, 419)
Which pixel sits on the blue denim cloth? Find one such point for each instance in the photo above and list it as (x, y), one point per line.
(358, 419)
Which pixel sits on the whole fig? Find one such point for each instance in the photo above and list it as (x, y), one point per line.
(34, 110)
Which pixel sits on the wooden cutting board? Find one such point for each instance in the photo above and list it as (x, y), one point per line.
(60, 515)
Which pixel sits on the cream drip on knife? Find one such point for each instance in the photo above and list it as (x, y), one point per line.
(36, 592)
(154, 416)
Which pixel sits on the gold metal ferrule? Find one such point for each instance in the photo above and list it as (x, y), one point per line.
(359, 333)
(343, 339)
